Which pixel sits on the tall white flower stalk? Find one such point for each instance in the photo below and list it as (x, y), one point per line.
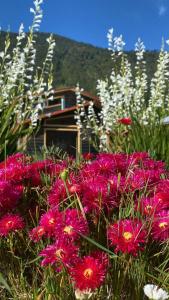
(22, 86)
(140, 80)
(158, 101)
(86, 118)
(127, 93)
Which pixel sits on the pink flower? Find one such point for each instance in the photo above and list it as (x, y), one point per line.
(37, 233)
(139, 156)
(151, 164)
(60, 253)
(15, 159)
(33, 172)
(57, 194)
(61, 190)
(10, 223)
(88, 273)
(56, 168)
(128, 236)
(48, 221)
(70, 224)
(102, 257)
(105, 165)
(163, 200)
(13, 168)
(96, 196)
(160, 226)
(141, 178)
(150, 206)
(10, 194)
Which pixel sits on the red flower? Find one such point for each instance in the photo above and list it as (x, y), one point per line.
(163, 200)
(125, 121)
(95, 194)
(74, 189)
(88, 156)
(57, 193)
(127, 236)
(10, 194)
(141, 178)
(160, 226)
(48, 221)
(102, 257)
(150, 206)
(10, 223)
(88, 273)
(37, 233)
(59, 253)
(138, 156)
(71, 224)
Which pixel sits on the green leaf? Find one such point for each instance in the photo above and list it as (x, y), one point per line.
(99, 246)
(4, 283)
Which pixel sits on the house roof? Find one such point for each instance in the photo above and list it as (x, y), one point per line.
(86, 94)
(59, 91)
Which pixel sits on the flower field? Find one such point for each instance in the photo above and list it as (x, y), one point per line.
(97, 229)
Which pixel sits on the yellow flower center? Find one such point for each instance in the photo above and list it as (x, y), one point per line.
(88, 273)
(9, 223)
(68, 229)
(59, 253)
(163, 224)
(148, 208)
(40, 231)
(51, 221)
(127, 235)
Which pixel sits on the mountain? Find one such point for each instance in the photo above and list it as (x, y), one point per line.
(79, 62)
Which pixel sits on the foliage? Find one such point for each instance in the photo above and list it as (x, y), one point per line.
(98, 229)
(22, 83)
(133, 110)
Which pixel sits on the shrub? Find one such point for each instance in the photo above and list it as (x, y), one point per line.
(134, 112)
(22, 86)
(99, 229)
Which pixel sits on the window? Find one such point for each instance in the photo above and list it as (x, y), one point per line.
(58, 102)
(65, 140)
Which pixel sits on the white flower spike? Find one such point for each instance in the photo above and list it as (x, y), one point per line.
(153, 292)
(81, 295)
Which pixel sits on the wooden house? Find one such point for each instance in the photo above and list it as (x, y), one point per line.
(58, 125)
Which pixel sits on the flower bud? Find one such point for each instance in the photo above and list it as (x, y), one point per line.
(64, 174)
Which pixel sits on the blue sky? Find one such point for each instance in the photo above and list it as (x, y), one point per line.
(89, 20)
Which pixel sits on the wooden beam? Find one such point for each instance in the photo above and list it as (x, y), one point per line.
(52, 126)
(60, 129)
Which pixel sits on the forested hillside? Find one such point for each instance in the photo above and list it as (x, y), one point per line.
(78, 62)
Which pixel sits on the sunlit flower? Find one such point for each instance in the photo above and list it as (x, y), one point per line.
(10, 223)
(141, 178)
(60, 253)
(149, 206)
(94, 194)
(160, 226)
(48, 221)
(88, 273)
(71, 224)
(57, 193)
(37, 233)
(153, 292)
(127, 236)
(125, 121)
(102, 257)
